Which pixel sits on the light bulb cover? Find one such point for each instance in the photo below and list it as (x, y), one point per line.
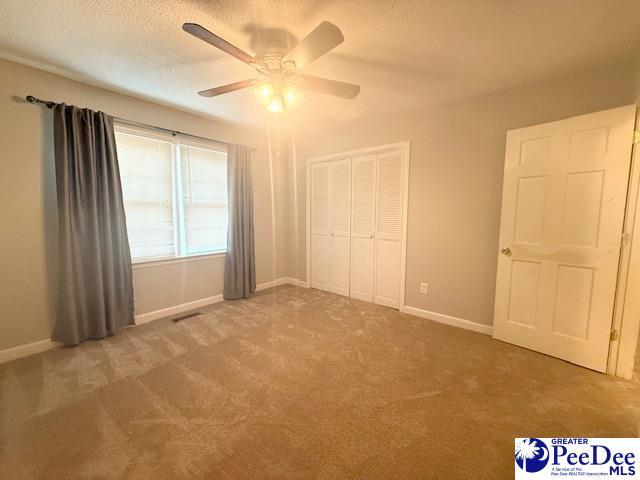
(264, 93)
(292, 97)
(276, 105)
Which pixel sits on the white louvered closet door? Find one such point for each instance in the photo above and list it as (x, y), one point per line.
(363, 216)
(388, 229)
(340, 227)
(320, 225)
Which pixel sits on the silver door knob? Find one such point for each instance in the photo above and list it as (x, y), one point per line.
(505, 251)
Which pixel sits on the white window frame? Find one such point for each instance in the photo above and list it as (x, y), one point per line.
(177, 141)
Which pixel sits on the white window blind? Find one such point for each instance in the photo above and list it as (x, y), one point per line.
(174, 192)
(204, 188)
(146, 172)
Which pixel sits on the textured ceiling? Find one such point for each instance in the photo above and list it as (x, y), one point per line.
(405, 54)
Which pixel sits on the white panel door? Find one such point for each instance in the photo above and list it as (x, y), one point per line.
(563, 203)
(363, 209)
(338, 258)
(388, 229)
(320, 225)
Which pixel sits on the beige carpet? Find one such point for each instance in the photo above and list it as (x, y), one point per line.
(295, 383)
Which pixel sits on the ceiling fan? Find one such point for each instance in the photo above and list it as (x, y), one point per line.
(281, 72)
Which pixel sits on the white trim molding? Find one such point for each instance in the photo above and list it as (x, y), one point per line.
(272, 283)
(448, 320)
(203, 302)
(176, 309)
(358, 152)
(623, 347)
(47, 344)
(296, 282)
(27, 349)
(282, 281)
(190, 306)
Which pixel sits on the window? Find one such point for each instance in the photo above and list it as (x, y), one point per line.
(175, 194)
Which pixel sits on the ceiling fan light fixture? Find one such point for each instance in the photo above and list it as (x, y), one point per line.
(282, 76)
(264, 93)
(276, 105)
(276, 98)
(292, 97)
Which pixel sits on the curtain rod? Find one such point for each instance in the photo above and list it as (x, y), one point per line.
(50, 104)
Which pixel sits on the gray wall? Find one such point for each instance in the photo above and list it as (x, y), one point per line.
(28, 204)
(452, 241)
(455, 179)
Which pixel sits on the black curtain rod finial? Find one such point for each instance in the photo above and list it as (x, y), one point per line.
(32, 99)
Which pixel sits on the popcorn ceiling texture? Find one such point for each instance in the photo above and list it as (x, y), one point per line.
(295, 383)
(405, 54)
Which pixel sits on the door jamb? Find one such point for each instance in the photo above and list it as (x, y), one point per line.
(626, 321)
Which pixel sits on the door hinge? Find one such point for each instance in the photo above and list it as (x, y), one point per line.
(624, 239)
(614, 335)
(636, 137)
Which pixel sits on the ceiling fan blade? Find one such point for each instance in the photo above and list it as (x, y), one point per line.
(232, 87)
(324, 38)
(330, 87)
(211, 38)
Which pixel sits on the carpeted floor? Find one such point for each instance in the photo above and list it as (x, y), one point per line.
(295, 383)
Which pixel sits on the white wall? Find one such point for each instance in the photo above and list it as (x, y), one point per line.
(28, 216)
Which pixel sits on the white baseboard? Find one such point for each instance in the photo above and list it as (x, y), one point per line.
(203, 302)
(448, 320)
(176, 309)
(282, 281)
(27, 349)
(47, 344)
(296, 282)
(272, 283)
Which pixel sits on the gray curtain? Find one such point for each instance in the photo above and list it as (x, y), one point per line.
(240, 262)
(95, 290)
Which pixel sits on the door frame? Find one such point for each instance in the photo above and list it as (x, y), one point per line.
(625, 326)
(405, 149)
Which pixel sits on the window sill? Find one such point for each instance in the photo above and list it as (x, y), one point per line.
(136, 265)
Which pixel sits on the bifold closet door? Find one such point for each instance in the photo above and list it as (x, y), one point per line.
(339, 255)
(320, 225)
(330, 225)
(363, 209)
(388, 229)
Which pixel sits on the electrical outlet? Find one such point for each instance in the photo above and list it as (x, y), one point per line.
(424, 288)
